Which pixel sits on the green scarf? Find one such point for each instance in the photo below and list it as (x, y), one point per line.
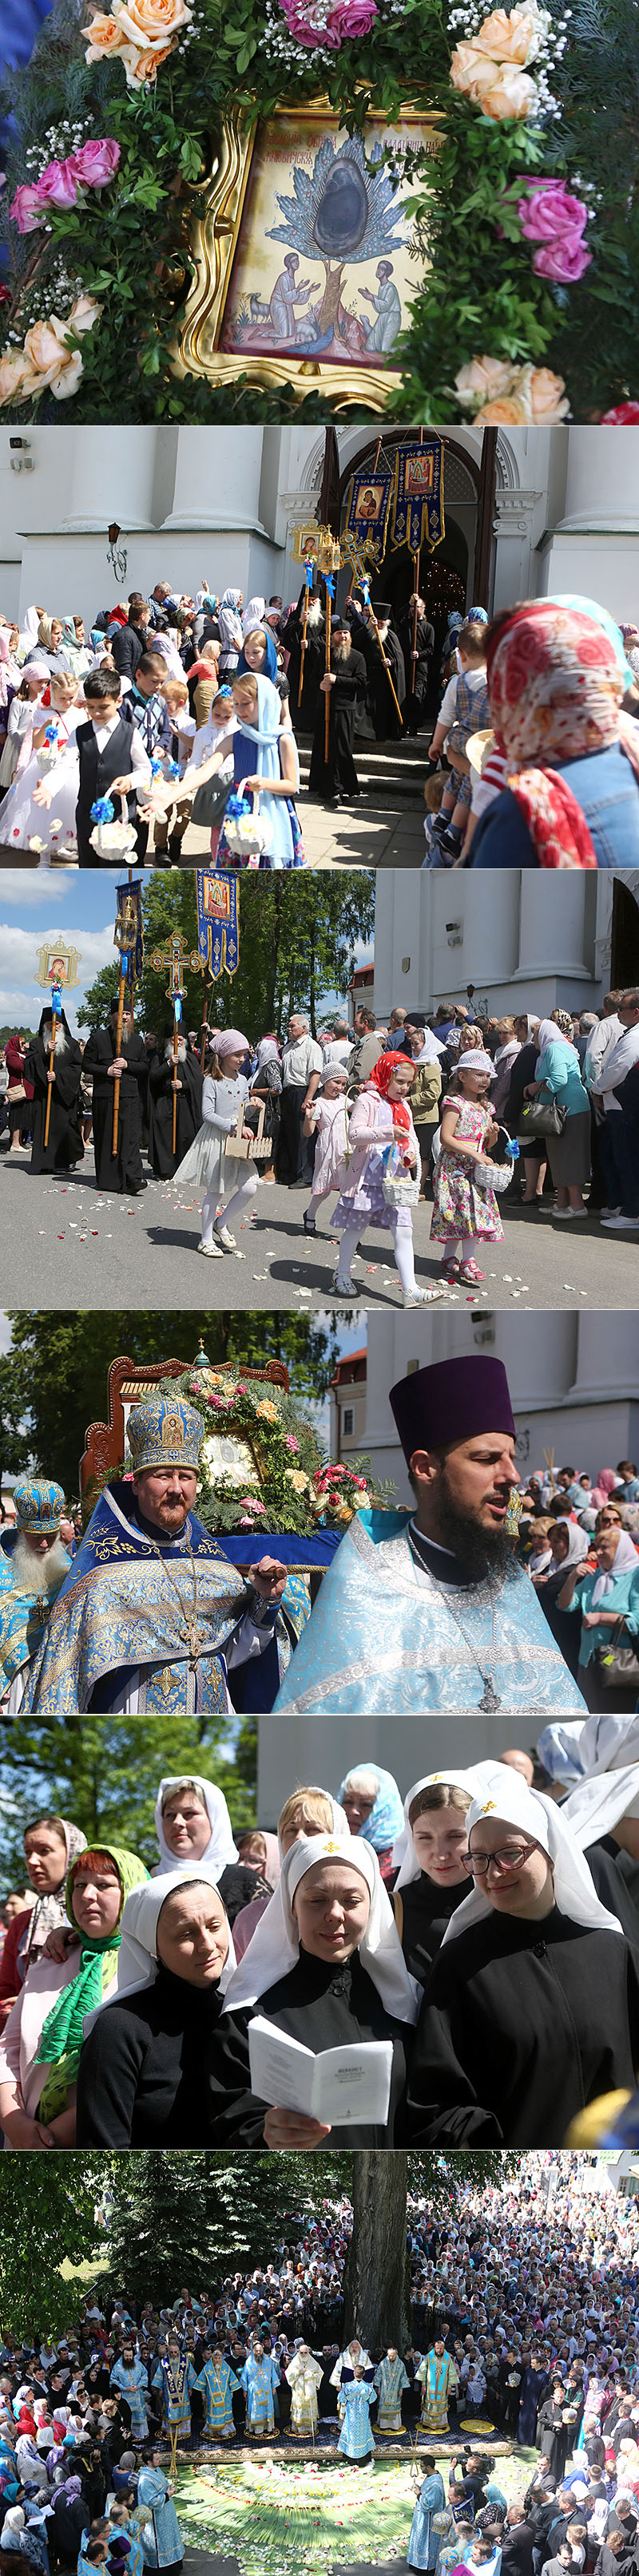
(61, 2038)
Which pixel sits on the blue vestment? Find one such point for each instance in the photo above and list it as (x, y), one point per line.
(423, 2542)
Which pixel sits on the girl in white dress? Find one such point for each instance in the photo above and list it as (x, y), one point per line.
(19, 726)
(43, 789)
(224, 1091)
(327, 1117)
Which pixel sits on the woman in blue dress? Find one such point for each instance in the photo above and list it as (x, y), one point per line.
(424, 2539)
(159, 2527)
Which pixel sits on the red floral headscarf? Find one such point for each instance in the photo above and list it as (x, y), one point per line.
(380, 1078)
(555, 689)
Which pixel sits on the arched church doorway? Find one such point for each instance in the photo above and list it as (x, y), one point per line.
(445, 571)
(624, 943)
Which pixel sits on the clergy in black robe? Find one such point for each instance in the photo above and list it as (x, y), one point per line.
(324, 2006)
(383, 654)
(304, 715)
(525, 2021)
(188, 1074)
(64, 1144)
(418, 638)
(553, 2434)
(337, 777)
(533, 2391)
(121, 1171)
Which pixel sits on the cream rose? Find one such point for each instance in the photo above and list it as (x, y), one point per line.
(483, 379)
(505, 414)
(83, 314)
(548, 398)
(102, 36)
(141, 69)
(150, 24)
(49, 362)
(12, 376)
(514, 39)
(497, 88)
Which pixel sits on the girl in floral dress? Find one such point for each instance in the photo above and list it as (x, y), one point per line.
(462, 1211)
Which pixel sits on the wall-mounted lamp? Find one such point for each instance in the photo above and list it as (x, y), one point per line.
(116, 555)
(20, 457)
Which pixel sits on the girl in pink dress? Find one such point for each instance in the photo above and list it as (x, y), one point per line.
(464, 1212)
(327, 1117)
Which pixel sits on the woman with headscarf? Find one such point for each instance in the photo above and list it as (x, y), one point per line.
(40, 2048)
(51, 1843)
(50, 647)
(558, 1078)
(306, 1811)
(380, 1132)
(265, 766)
(145, 2069)
(428, 1859)
(230, 626)
(192, 1823)
(533, 2006)
(569, 1548)
(555, 686)
(224, 1094)
(608, 1482)
(260, 653)
(603, 1814)
(373, 1808)
(608, 1603)
(17, 2537)
(325, 1965)
(266, 1084)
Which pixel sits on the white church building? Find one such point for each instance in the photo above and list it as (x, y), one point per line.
(525, 512)
(574, 1387)
(566, 936)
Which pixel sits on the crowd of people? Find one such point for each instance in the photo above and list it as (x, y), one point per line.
(523, 2319)
(190, 709)
(482, 1934)
(367, 1118)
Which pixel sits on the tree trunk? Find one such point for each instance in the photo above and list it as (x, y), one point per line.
(377, 2280)
(329, 307)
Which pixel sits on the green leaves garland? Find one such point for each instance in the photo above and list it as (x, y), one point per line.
(128, 248)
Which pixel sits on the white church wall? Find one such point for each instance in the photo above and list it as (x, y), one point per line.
(294, 1750)
(574, 1385)
(537, 944)
(71, 571)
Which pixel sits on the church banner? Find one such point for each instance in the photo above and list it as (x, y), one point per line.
(417, 510)
(218, 920)
(368, 502)
(129, 929)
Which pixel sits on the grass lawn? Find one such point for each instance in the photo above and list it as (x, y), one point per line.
(283, 2516)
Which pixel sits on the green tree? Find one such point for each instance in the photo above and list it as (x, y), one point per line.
(14, 1444)
(183, 2221)
(48, 2215)
(105, 1777)
(377, 2280)
(299, 935)
(54, 1378)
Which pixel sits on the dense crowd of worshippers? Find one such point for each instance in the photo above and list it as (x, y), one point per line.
(532, 760)
(484, 1930)
(523, 2320)
(366, 1118)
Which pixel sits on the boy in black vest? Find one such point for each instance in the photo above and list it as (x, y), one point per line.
(111, 757)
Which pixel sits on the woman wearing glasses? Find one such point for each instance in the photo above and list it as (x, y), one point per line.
(533, 2005)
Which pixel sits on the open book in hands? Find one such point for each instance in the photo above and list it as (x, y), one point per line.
(341, 2085)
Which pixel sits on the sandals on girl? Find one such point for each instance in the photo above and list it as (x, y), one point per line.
(470, 1273)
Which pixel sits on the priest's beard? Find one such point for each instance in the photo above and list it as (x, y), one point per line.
(61, 1040)
(485, 1553)
(38, 1574)
(314, 612)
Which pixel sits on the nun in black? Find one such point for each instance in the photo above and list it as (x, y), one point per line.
(603, 1814)
(142, 2079)
(428, 1856)
(533, 2006)
(325, 1965)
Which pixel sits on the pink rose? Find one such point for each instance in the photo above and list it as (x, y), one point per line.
(562, 260)
(351, 18)
(549, 211)
(57, 186)
(94, 165)
(290, 1443)
(27, 209)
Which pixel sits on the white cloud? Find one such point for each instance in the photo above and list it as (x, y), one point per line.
(6, 1333)
(32, 887)
(21, 999)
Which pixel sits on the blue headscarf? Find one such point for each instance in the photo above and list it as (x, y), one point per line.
(256, 755)
(477, 616)
(269, 671)
(387, 1816)
(591, 608)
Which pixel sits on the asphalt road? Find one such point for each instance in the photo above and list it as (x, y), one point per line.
(63, 1245)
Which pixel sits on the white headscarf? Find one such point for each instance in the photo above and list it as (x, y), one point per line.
(596, 1805)
(405, 1857)
(220, 1849)
(275, 1946)
(507, 1796)
(138, 1961)
(607, 1744)
(578, 1545)
(625, 1557)
(230, 624)
(253, 615)
(550, 1035)
(435, 1047)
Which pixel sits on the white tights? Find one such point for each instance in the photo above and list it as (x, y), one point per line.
(459, 1247)
(236, 1206)
(402, 1247)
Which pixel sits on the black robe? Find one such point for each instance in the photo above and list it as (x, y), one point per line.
(524, 2022)
(533, 2390)
(416, 672)
(426, 1911)
(64, 1145)
(122, 1170)
(189, 1111)
(142, 2078)
(337, 776)
(324, 2007)
(304, 716)
(554, 2437)
(388, 724)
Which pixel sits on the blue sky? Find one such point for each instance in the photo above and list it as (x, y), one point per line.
(37, 905)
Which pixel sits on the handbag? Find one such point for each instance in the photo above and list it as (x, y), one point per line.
(209, 801)
(617, 1665)
(542, 1118)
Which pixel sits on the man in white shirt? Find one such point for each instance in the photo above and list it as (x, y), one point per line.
(301, 1073)
(622, 1116)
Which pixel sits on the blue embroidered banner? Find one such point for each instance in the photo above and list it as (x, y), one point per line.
(368, 502)
(218, 920)
(417, 514)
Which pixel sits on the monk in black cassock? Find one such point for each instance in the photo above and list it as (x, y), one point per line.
(121, 1171)
(383, 654)
(553, 2432)
(64, 1144)
(336, 778)
(188, 1096)
(421, 638)
(304, 716)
